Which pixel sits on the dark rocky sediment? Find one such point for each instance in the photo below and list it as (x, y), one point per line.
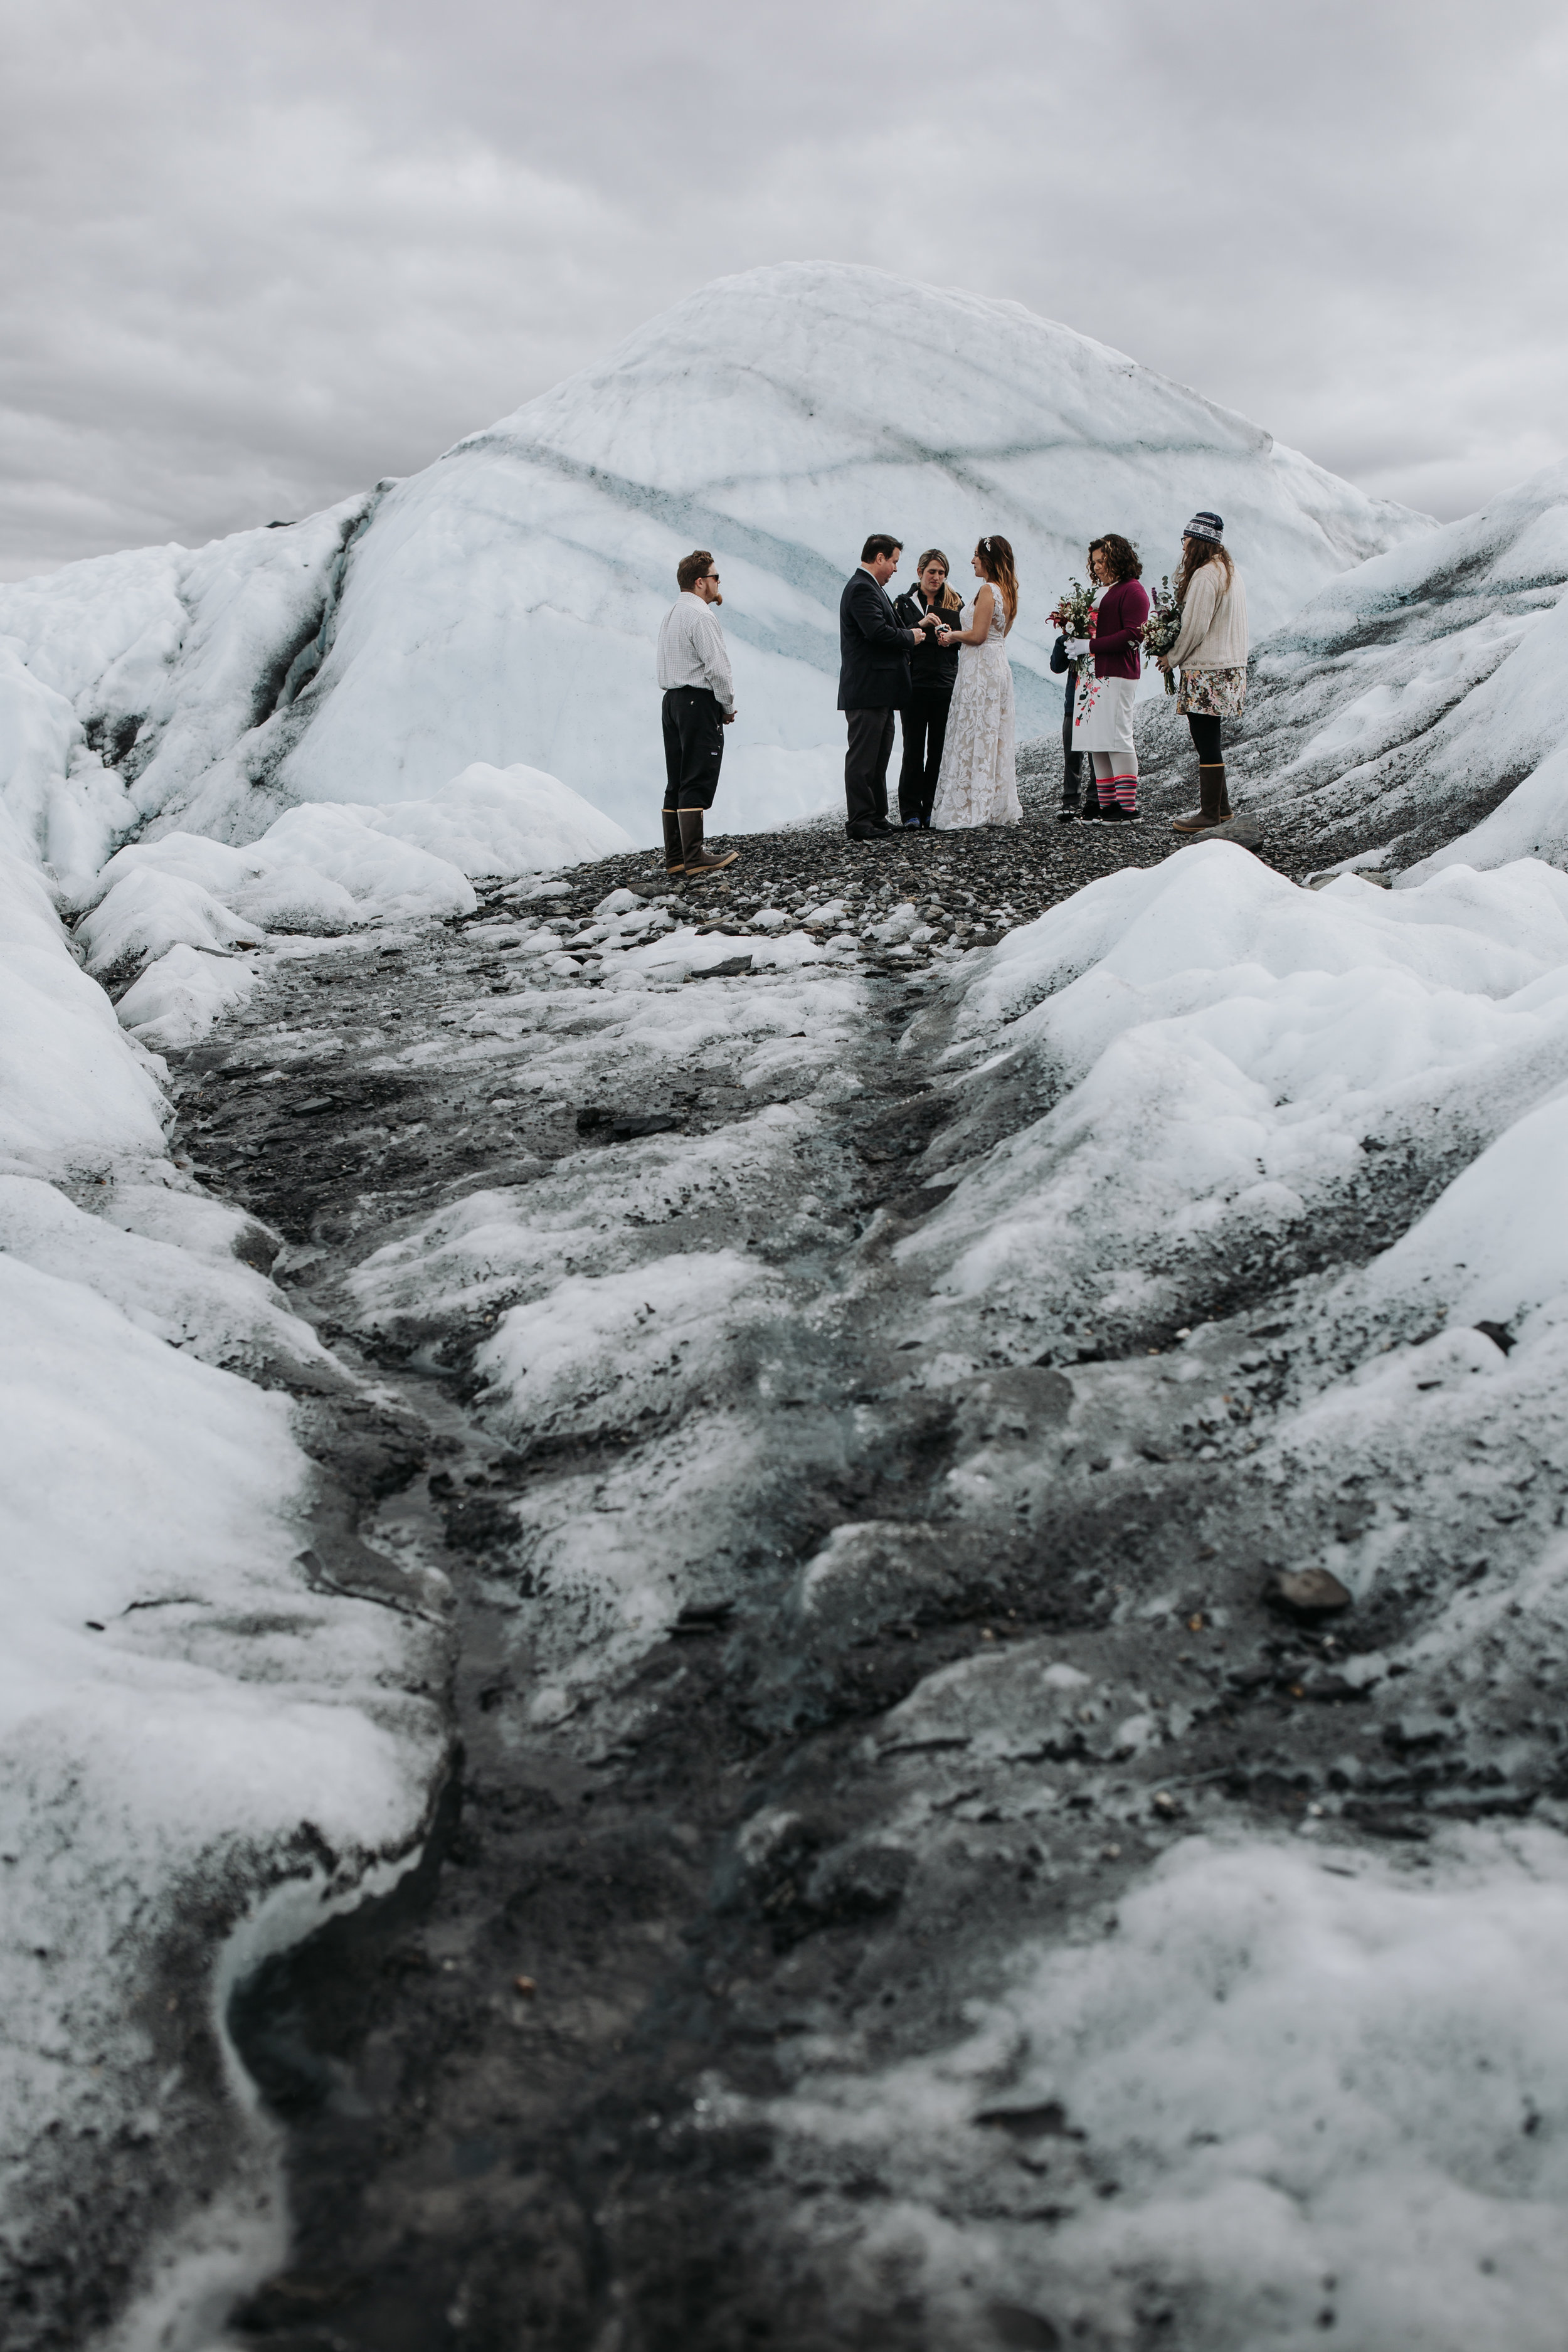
(536, 2099)
(978, 884)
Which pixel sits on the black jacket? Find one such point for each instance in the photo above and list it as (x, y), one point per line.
(1059, 662)
(873, 649)
(933, 669)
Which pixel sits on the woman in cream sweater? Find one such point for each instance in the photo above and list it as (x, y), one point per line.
(1211, 653)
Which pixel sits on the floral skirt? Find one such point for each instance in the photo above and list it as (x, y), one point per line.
(1212, 693)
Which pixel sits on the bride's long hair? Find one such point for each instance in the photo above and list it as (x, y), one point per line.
(996, 562)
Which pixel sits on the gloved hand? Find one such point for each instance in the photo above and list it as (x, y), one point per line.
(1076, 647)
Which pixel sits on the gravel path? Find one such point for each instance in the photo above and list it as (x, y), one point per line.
(943, 893)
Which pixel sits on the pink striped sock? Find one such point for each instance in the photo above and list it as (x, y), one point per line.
(1126, 791)
(1106, 787)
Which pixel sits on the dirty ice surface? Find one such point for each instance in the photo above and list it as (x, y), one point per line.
(1319, 2089)
(1266, 1183)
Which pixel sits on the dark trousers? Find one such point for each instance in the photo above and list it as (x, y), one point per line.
(924, 725)
(1075, 781)
(1205, 729)
(693, 746)
(865, 770)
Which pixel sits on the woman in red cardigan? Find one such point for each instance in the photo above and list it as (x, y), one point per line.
(1102, 713)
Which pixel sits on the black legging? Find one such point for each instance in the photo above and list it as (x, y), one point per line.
(1205, 737)
(924, 722)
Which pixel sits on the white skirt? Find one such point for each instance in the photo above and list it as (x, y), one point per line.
(1102, 720)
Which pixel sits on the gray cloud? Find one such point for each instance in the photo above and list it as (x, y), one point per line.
(256, 257)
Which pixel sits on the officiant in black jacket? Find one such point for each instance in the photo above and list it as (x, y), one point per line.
(933, 673)
(874, 650)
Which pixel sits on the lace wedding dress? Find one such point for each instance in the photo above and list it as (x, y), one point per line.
(978, 783)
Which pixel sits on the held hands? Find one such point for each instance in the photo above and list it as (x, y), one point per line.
(1078, 648)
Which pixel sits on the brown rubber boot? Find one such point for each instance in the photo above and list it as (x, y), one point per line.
(1225, 807)
(674, 855)
(698, 859)
(1211, 793)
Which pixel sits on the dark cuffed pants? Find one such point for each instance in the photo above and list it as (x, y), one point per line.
(693, 746)
(1076, 783)
(924, 724)
(865, 770)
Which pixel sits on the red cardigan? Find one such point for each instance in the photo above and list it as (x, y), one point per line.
(1119, 630)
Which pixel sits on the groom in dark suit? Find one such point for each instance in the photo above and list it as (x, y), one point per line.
(874, 648)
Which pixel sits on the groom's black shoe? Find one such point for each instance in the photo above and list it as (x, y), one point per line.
(868, 833)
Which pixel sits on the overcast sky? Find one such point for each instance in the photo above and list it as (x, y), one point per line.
(259, 253)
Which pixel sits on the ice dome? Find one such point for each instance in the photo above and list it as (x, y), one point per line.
(501, 606)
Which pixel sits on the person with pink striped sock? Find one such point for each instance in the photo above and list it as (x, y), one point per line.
(1102, 715)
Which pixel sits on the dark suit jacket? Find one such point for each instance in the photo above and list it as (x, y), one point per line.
(873, 649)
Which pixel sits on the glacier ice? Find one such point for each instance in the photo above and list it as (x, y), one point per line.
(215, 757)
(501, 606)
(1422, 697)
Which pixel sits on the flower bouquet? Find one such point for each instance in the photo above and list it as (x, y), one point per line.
(1072, 616)
(1162, 627)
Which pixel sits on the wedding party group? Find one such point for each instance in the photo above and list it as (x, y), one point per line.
(939, 668)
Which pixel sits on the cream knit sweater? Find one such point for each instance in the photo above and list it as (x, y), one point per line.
(1214, 625)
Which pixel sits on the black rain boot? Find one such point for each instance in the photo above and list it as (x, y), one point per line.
(1211, 797)
(674, 855)
(698, 859)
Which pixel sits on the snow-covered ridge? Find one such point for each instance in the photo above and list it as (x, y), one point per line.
(500, 607)
(1427, 689)
(191, 1715)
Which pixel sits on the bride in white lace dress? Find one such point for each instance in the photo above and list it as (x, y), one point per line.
(978, 783)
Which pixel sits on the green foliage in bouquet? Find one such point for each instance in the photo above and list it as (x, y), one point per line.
(1162, 627)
